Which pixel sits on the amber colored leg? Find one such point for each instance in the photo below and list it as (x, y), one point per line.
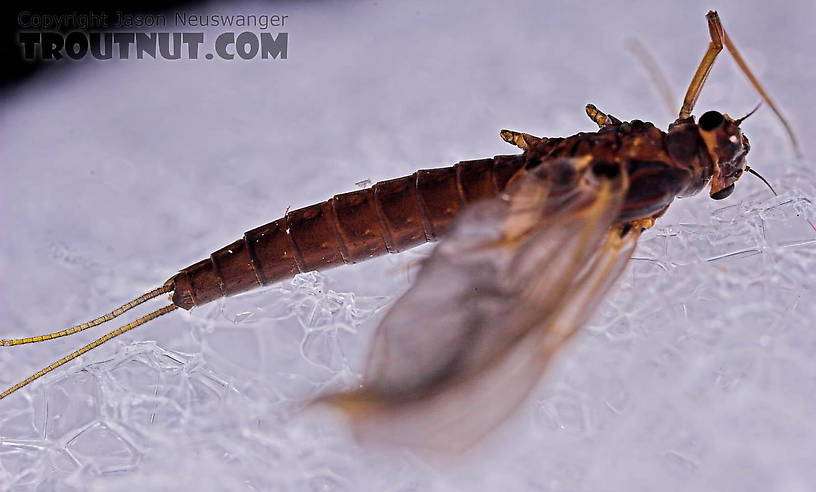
(714, 47)
(719, 38)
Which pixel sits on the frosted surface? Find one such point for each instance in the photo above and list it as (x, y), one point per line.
(697, 374)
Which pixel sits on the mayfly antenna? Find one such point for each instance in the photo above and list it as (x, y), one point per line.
(98, 321)
(739, 121)
(719, 38)
(99, 341)
(763, 179)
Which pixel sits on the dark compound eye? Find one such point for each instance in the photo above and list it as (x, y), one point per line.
(723, 193)
(711, 120)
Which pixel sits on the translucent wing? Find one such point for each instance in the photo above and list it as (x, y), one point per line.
(516, 277)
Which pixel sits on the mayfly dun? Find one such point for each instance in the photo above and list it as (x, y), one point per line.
(532, 242)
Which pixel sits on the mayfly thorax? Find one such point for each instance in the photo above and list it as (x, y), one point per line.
(590, 194)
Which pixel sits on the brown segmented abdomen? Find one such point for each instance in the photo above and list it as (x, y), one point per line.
(391, 216)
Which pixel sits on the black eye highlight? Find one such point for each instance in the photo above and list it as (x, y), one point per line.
(711, 120)
(723, 193)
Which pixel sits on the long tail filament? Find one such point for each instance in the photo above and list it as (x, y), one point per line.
(84, 326)
(98, 321)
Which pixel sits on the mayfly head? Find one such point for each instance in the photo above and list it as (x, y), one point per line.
(727, 147)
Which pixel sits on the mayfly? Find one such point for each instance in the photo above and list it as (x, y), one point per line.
(532, 243)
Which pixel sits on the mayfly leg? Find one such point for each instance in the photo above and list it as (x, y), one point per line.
(641, 52)
(698, 80)
(719, 38)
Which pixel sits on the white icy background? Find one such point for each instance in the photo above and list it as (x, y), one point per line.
(698, 374)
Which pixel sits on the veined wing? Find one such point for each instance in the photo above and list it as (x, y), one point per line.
(508, 286)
